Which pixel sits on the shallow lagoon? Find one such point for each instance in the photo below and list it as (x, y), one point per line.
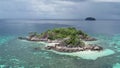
(15, 53)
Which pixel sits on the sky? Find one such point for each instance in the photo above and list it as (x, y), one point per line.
(59, 9)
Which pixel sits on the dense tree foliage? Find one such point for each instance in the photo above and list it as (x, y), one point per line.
(72, 33)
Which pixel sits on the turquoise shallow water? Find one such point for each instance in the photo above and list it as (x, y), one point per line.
(5, 39)
(16, 53)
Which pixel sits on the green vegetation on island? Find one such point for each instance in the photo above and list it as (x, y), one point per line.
(74, 36)
(66, 39)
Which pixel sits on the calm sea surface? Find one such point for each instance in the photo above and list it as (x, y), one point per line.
(15, 53)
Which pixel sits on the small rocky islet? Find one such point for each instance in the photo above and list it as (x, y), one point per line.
(90, 19)
(65, 40)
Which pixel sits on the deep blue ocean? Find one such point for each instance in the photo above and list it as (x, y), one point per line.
(15, 53)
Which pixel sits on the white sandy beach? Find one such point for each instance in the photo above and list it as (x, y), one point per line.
(93, 55)
(51, 44)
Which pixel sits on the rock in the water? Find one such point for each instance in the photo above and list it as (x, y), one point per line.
(90, 19)
(90, 39)
(97, 48)
(36, 49)
(22, 38)
(49, 47)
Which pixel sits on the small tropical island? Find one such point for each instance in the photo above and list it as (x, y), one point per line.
(64, 40)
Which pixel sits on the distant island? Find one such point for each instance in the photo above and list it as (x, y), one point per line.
(90, 19)
(64, 40)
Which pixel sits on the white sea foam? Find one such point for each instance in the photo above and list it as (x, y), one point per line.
(93, 55)
(34, 42)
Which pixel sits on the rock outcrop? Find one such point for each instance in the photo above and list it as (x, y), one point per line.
(90, 39)
(74, 49)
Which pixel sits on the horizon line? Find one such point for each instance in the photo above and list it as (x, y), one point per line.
(58, 19)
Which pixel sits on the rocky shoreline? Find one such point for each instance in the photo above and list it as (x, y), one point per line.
(59, 46)
(67, 40)
(73, 49)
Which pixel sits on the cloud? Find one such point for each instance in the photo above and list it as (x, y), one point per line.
(52, 7)
(39, 9)
(106, 0)
(93, 0)
(72, 0)
(62, 9)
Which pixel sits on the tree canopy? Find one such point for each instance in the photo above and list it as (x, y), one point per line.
(74, 35)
